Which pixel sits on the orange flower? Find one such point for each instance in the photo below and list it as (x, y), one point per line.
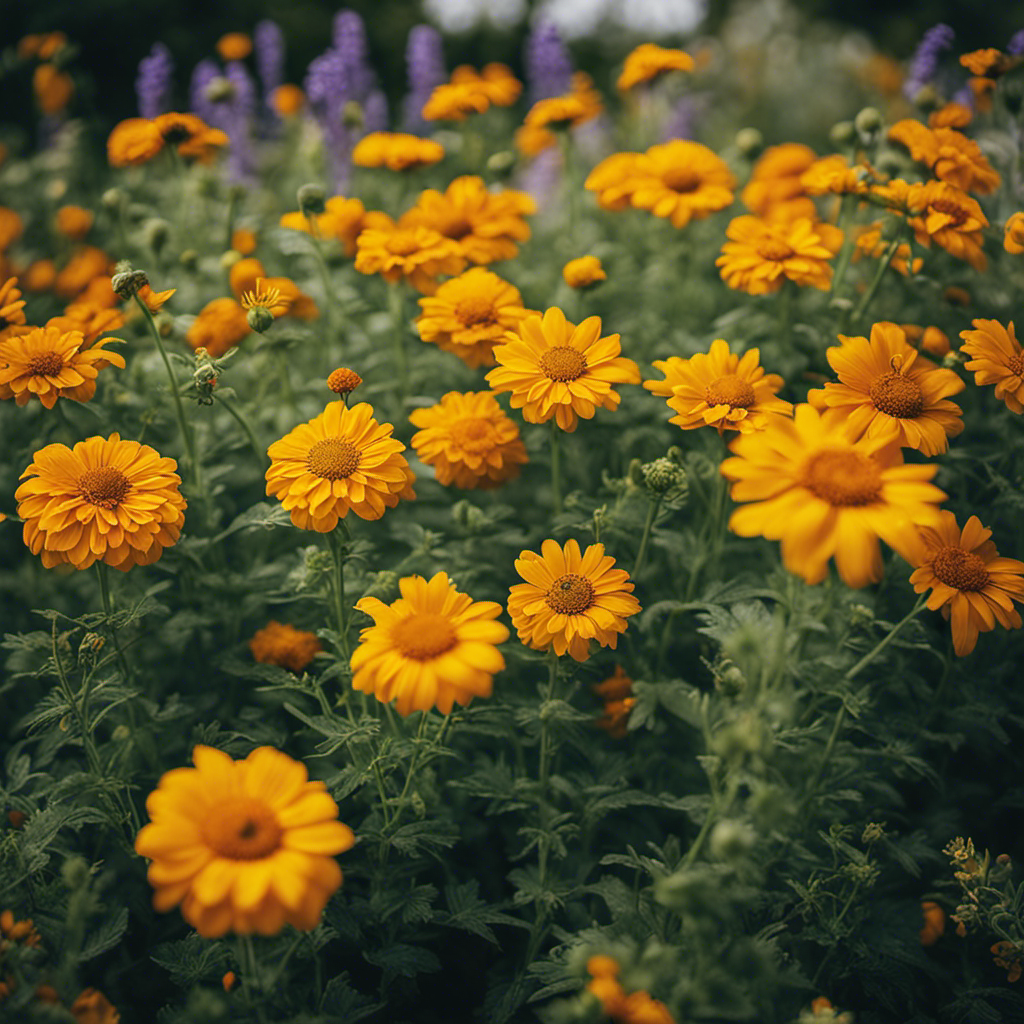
(244, 241)
(950, 155)
(950, 218)
(583, 272)
(133, 141)
(450, 102)
(833, 175)
(85, 265)
(154, 300)
(415, 254)
(927, 339)
(988, 63)
(53, 88)
(11, 227)
(195, 139)
(74, 222)
(617, 693)
(495, 81)
(396, 151)
(648, 62)
(934, 922)
(636, 1008)
(761, 256)
(93, 1007)
(613, 178)
(265, 296)
(996, 358)
(1009, 956)
(12, 309)
(278, 643)
(343, 219)
(981, 91)
(581, 104)
(775, 180)
(870, 243)
(1013, 234)
(343, 381)
(234, 46)
(221, 323)
(468, 440)
(952, 115)
(39, 276)
(287, 100)
(555, 369)
(91, 320)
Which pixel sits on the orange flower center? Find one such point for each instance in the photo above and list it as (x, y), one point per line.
(242, 828)
(473, 434)
(570, 594)
(896, 395)
(956, 213)
(424, 636)
(562, 362)
(475, 310)
(1015, 364)
(333, 459)
(343, 381)
(105, 486)
(730, 390)
(403, 243)
(774, 249)
(843, 478)
(959, 569)
(46, 364)
(681, 179)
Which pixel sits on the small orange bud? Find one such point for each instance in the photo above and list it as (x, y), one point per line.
(234, 46)
(16, 818)
(934, 923)
(229, 981)
(344, 381)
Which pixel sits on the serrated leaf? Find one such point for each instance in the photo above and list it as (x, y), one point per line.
(106, 936)
(403, 959)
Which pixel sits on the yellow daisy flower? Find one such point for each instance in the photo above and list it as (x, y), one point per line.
(396, 151)
(415, 254)
(12, 308)
(996, 358)
(453, 102)
(583, 272)
(648, 61)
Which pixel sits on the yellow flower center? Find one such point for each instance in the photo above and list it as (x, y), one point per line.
(956, 213)
(475, 310)
(403, 243)
(570, 594)
(563, 363)
(105, 486)
(730, 390)
(843, 478)
(242, 828)
(1015, 364)
(424, 636)
(774, 249)
(333, 459)
(681, 179)
(959, 569)
(46, 364)
(473, 434)
(896, 395)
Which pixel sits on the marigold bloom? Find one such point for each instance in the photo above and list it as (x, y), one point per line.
(244, 846)
(761, 256)
(433, 647)
(1013, 234)
(343, 219)
(468, 440)
(470, 314)
(934, 926)
(19, 931)
(775, 180)
(135, 140)
(996, 358)
(85, 265)
(583, 272)
(73, 222)
(982, 90)
(104, 500)
(648, 61)
(988, 63)
(833, 175)
(278, 643)
(450, 102)
(195, 139)
(869, 243)
(11, 227)
(927, 339)
(12, 308)
(952, 115)
(416, 254)
(234, 46)
(39, 276)
(554, 368)
(339, 462)
(221, 323)
(823, 495)
(287, 100)
(396, 151)
(950, 218)
(888, 393)
(343, 381)
(53, 88)
(970, 583)
(581, 104)
(950, 155)
(494, 80)
(50, 364)
(720, 389)
(244, 241)
(612, 180)
(92, 321)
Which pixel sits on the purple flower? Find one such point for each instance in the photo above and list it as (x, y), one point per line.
(268, 43)
(424, 59)
(375, 112)
(548, 65)
(202, 75)
(682, 121)
(349, 40)
(328, 87)
(1015, 47)
(154, 82)
(238, 117)
(925, 61)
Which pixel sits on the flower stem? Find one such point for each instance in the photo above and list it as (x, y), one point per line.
(556, 479)
(847, 247)
(886, 640)
(122, 661)
(334, 313)
(261, 453)
(337, 540)
(653, 505)
(877, 279)
(396, 308)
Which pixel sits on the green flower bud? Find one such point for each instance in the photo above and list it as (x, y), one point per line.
(312, 200)
(260, 319)
(927, 99)
(868, 121)
(113, 198)
(731, 840)
(502, 162)
(157, 232)
(74, 872)
(126, 282)
(352, 116)
(842, 133)
(220, 90)
(189, 259)
(750, 142)
(663, 476)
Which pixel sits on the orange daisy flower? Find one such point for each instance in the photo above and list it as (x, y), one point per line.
(133, 141)
(73, 222)
(953, 220)
(617, 693)
(949, 154)
(396, 151)
(888, 393)
(343, 219)
(53, 88)
(85, 266)
(720, 389)
(278, 643)
(414, 254)
(494, 80)
(775, 185)
(833, 175)
(221, 323)
(583, 272)
(195, 139)
(581, 104)
(649, 61)
(823, 495)
(761, 256)
(952, 115)
(468, 440)
(453, 102)
(555, 369)
(870, 244)
(12, 308)
(969, 582)
(996, 358)
(1013, 234)
(92, 321)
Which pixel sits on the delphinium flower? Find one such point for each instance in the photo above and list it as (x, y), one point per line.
(244, 846)
(996, 357)
(648, 62)
(570, 598)
(761, 256)
(887, 392)
(415, 254)
(1015, 47)
(328, 86)
(221, 323)
(240, 111)
(424, 61)
(720, 389)
(823, 495)
(433, 647)
(548, 65)
(269, 46)
(279, 643)
(468, 440)
(969, 582)
(203, 75)
(104, 500)
(396, 151)
(155, 82)
(925, 60)
(339, 462)
(556, 369)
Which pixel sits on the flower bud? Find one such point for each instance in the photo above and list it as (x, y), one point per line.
(312, 200)
(842, 133)
(868, 122)
(189, 259)
(219, 90)
(229, 258)
(113, 198)
(663, 476)
(352, 116)
(343, 381)
(260, 319)
(121, 734)
(731, 840)
(125, 281)
(750, 142)
(927, 99)
(157, 232)
(502, 162)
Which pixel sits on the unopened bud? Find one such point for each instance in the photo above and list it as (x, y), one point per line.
(343, 381)
(927, 99)
(842, 133)
(189, 259)
(260, 319)
(157, 232)
(229, 258)
(501, 162)
(113, 198)
(126, 282)
(312, 200)
(750, 142)
(352, 116)
(868, 122)
(663, 476)
(730, 840)
(219, 90)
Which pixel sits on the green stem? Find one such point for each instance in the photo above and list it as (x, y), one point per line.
(286, 379)
(556, 478)
(339, 549)
(569, 177)
(101, 574)
(261, 453)
(250, 971)
(886, 640)
(396, 309)
(545, 734)
(847, 248)
(334, 314)
(785, 309)
(877, 279)
(653, 505)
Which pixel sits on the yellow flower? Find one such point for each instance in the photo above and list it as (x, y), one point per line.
(761, 256)
(278, 643)
(774, 189)
(50, 364)
(418, 255)
(886, 392)
(1013, 234)
(470, 314)
(93, 1007)
(73, 222)
(264, 296)
(104, 500)
(11, 227)
(221, 323)
(495, 81)
(833, 175)
(287, 100)
(973, 586)
(648, 61)
(950, 155)
(244, 846)
(569, 599)
(12, 308)
(555, 369)
(613, 178)
(92, 321)
(468, 440)
(720, 389)
(581, 104)
(396, 151)
(450, 102)
(996, 358)
(343, 219)
(583, 272)
(950, 218)
(85, 266)
(433, 647)
(339, 462)
(234, 46)
(19, 931)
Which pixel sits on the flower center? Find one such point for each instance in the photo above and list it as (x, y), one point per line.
(730, 390)
(403, 243)
(1015, 364)
(176, 133)
(424, 636)
(333, 459)
(956, 213)
(457, 228)
(242, 828)
(843, 478)
(774, 249)
(475, 310)
(46, 364)
(681, 179)
(104, 486)
(563, 363)
(896, 395)
(570, 594)
(962, 570)
(473, 434)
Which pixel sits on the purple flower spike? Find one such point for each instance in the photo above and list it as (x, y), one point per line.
(1015, 47)
(375, 112)
(925, 61)
(155, 81)
(548, 65)
(350, 43)
(268, 43)
(202, 75)
(238, 118)
(424, 59)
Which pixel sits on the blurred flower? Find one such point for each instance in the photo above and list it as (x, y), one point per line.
(268, 43)
(53, 89)
(927, 339)
(636, 1008)
(583, 272)
(548, 65)
(155, 82)
(415, 254)
(617, 693)
(23, 932)
(93, 1007)
(343, 219)
(138, 140)
(949, 154)
(91, 320)
(1010, 957)
(264, 296)
(934, 926)
(85, 265)
(775, 189)
(244, 241)
(1013, 234)
(11, 227)
(494, 80)
(952, 115)
(287, 100)
(648, 61)
(234, 46)
(396, 151)
(424, 61)
(925, 60)
(278, 643)
(450, 102)
(870, 243)
(996, 357)
(833, 175)
(38, 276)
(12, 308)
(221, 323)
(73, 222)
(761, 256)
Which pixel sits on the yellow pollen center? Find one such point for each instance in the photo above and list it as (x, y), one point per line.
(242, 828)
(403, 243)
(774, 249)
(962, 570)
(475, 311)
(104, 486)
(424, 636)
(956, 213)
(843, 478)
(46, 364)
(730, 390)
(473, 434)
(333, 459)
(681, 179)
(571, 594)
(896, 395)
(1015, 364)
(563, 363)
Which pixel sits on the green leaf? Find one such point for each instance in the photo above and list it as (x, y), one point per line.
(403, 959)
(106, 936)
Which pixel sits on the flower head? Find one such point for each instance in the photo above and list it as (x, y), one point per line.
(221, 323)
(12, 308)
(433, 647)
(287, 100)
(278, 643)
(649, 61)
(343, 219)
(73, 222)
(343, 381)
(396, 151)
(1013, 234)
(234, 46)
(11, 227)
(570, 598)
(418, 255)
(495, 81)
(583, 272)
(996, 358)
(263, 305)
(104, 500)
(554, 368)
(942, 214)
(244, 846)
(950, 155)
(453, 102)
(762, 255)
(775, 189)
(934, 926)
(617, 693)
